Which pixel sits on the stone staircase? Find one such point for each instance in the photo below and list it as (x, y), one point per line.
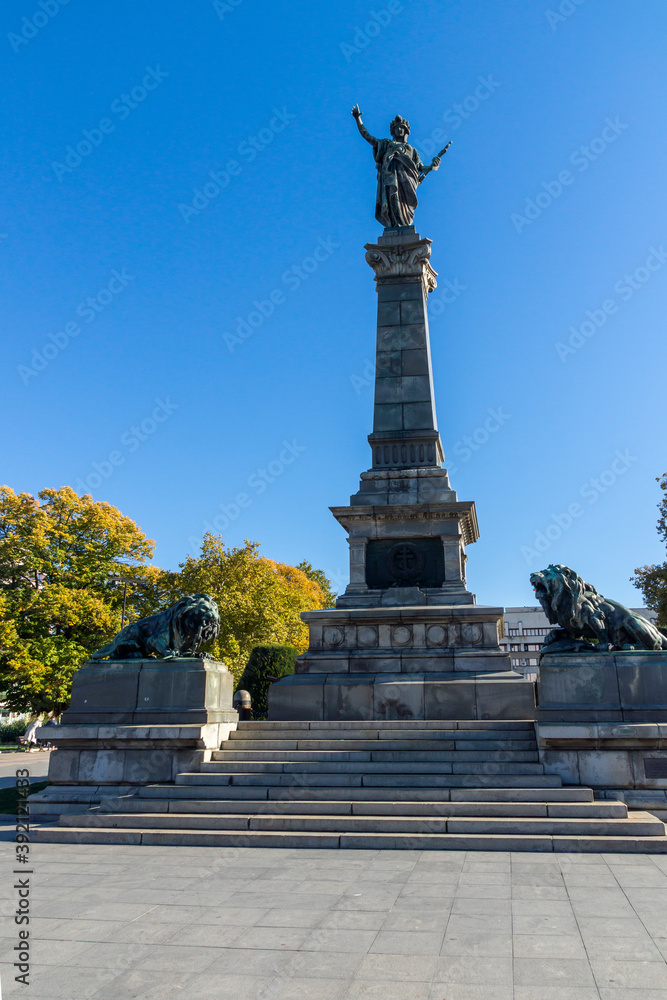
(414, 785)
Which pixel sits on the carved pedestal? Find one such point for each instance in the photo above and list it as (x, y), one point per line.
(394, 663)
(133, 723)
(602, 722)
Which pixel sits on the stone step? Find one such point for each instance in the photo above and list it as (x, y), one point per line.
(462, 724)
(240, 747)
(396, 735)
(235, 793)
(456, 766)
(381, 756)
(638, 825)
(277, 807)
(354, 841)
(299, 780)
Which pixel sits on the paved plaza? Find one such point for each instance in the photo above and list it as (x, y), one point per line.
(37, 762)
(121, 922)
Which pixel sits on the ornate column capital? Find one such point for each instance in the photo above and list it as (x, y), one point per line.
(400, 262)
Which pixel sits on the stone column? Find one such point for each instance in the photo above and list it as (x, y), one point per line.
(405, 430)
(452, 546)
(357, 584)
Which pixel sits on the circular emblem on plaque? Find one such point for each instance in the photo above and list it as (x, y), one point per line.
(471, 634)
(333, 636)
(401, 635)
(367, 635)
(436, 635)
(405, 562)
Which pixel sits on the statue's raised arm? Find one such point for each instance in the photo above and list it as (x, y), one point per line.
(356, 111)
(400, 171)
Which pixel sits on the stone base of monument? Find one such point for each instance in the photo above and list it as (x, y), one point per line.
(624, 686)
(401, 663)
(401, 697)
(602, 722)
(132, 723)
(145, 692)
(604, 755)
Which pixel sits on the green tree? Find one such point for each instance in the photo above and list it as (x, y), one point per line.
(59, 553)
(652, 580)
(260, 600)
(318, 577)
(68, 539)
(63, 563)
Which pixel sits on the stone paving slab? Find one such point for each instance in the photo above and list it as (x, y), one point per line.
(36, 761)
(119, 922)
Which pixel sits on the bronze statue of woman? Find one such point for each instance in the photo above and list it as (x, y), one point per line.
(400, 171)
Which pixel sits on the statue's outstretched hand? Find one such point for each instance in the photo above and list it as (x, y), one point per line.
(435, 163)
(356, 111)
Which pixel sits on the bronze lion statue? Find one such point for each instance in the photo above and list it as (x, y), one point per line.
(582, 613)
(177, 632)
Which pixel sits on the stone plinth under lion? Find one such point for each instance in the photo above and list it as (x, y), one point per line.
(138, 720)
(601, 692)
(602, 662)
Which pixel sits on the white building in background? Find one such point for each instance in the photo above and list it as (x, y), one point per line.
(7, 716)
(525, 629)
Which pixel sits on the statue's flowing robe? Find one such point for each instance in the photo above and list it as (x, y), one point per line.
(398, 166)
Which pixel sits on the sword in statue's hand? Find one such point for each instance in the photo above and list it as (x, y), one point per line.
(435, 162)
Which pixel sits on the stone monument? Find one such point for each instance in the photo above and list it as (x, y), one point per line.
(407, 639)
(601, 693)
(144, 708)
(602, 662)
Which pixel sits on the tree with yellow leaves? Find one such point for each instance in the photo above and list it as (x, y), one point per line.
(260, 600)
(61, 558)
(59, 554)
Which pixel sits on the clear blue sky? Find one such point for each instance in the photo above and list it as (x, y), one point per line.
(259, 93)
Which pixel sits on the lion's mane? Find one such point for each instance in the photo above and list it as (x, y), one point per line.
(177, 631)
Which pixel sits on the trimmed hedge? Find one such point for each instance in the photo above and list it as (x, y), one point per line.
(271, 660)
(11, 732)
(9, 797)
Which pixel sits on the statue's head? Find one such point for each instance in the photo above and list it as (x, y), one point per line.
(561, 592)
(399, 128)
